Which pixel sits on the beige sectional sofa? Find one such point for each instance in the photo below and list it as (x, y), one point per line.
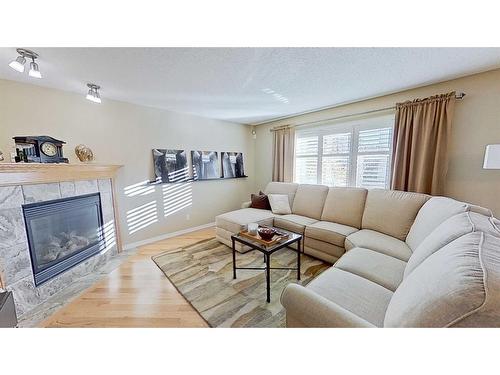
(399, 259)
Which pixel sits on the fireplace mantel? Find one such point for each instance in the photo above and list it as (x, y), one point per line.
(41, 173)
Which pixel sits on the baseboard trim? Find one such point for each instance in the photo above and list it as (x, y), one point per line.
(165, 236)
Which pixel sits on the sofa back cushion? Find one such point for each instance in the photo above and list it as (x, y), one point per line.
(288, 188)
(445, 288)
(448, 231)
(345, 206)
(309, 200)
(391, 212)
(435, 211)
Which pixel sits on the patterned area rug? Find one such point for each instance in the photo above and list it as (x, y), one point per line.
(203, 274)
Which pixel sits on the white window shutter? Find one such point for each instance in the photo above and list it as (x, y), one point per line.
(354, 153)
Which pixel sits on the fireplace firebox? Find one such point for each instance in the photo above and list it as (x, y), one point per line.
(63, 233)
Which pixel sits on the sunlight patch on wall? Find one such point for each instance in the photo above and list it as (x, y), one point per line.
(142, 217)
(140, 188)
(108, 232)
(176, 197)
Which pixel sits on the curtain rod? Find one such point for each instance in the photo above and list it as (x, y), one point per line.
(458, 96)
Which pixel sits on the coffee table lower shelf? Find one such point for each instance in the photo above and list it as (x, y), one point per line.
(267, 251)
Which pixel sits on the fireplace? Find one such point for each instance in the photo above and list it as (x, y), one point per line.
(63, 233)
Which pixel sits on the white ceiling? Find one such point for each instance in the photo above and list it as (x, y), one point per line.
(249, 85)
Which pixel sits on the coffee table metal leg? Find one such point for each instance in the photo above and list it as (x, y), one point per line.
(299, 246)
(234, 260)
(268, 278)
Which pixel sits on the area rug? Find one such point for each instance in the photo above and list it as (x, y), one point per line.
(203, 274)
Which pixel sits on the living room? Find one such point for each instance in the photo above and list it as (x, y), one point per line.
(278, 185)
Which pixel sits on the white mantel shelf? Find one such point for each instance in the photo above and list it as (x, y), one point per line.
(40, 173)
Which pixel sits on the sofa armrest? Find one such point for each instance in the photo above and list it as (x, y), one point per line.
(246, 204)
(312, 310)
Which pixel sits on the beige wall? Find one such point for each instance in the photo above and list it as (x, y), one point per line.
(121, 133)
(476, 124)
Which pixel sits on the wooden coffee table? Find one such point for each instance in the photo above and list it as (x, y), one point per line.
(267, 251)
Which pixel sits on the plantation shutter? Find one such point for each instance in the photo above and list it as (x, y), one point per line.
(306, 162)
(373, 166)
(354, 153)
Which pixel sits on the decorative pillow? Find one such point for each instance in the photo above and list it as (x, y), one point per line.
(279, 204)
(260, 201)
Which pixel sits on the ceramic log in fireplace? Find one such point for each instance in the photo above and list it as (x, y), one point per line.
(63, 233)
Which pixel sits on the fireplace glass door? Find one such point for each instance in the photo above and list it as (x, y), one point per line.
(62, 233)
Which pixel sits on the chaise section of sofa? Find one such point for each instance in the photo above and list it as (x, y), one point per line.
(233, 222)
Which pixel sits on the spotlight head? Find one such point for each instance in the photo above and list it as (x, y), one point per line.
(93, 94)
(34, 70)
(18, 64)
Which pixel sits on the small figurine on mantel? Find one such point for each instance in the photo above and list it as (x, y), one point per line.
(84, 153)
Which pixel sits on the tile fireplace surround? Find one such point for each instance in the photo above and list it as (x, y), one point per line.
(60, 181)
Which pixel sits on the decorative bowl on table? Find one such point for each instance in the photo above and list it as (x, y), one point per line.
(266, 234)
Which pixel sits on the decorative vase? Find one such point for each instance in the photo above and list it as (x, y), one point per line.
(84, 153)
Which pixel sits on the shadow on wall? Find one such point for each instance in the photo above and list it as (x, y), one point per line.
(176, 196)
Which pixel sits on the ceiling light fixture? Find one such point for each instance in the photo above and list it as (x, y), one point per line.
(20, 61)
(93, 94)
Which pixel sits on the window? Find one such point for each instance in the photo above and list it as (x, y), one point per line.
(355, 153)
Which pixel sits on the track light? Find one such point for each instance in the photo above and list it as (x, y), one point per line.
(20, 61)
(93, 94)
(34, 70)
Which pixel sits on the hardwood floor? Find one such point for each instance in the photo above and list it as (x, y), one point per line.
(137, 294)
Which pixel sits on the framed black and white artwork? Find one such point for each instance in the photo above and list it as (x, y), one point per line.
(232, 165)
(206, 165)
(170, 165)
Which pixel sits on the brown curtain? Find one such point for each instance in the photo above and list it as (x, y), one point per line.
(420, 145)
(283, 154)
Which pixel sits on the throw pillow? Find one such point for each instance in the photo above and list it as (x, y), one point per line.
(260, 201)
(279, 204)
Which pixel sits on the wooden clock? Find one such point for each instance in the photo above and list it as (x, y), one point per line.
(39, 149)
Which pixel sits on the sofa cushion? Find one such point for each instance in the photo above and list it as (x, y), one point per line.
(480, 210)
(345, 206)
(329, 232)
(397, 208)
(236, 221)
(448, 231)
(287, 188)
(435, 211)
(451, 229)
(293, 223)
(279, 204)
(380, 242)
(443, 289)
(322, 250)
(309, 200)
(260, 201)
(360, 296)
(381, 269)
